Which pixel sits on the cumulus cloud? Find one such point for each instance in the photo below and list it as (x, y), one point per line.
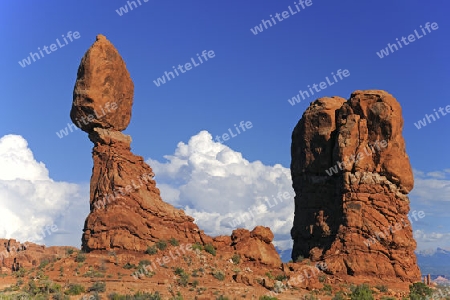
(432, 187)
(224, 191)
(30, 201)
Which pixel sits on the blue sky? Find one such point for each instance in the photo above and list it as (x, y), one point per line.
(250, 78)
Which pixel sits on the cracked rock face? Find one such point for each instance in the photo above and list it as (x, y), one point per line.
(351, 176)
(126, 209)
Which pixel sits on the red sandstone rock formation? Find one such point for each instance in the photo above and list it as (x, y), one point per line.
(15, 255)
(353, 216)
(127, 212)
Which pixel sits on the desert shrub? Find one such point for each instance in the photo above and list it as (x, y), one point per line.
(210, 249)
(151, 250)
(98, 287)
(219, 275)
(144, 262)
(419, 291)
(129, 266)
(236, 259)
(137, 296)
(382, 288)
(81, 257)
(161, 245)
(361, 292)
(74, 289)
(69, 251)
(281, 277)
(327, 288)
(222, 297)
(20, 273)
(387, 298)
(43, 263)
(195, 283)
(338, 296)
(197, 246)
(265, 297)
(174, 242)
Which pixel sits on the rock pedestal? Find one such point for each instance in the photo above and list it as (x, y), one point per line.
(127, 212)
(351, 176)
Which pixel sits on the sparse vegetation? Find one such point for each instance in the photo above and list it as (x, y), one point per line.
(269, 275)
(161, 245)
(129, 266)
(75, 289)
(174, 242)
(361, 292)
(98, 287)
(197, 246)
(81, 257)
(265, 297)
(222, 297)
(151, 250)
(281, 277)
(236, 259)
(137, 296)
(210, 249)
(382, 288)
(219, 275)
(419, 291)
(338, 296)
(69, 251)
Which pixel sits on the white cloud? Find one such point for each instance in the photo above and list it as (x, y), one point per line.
(432, 187)
(223, 191)
(431, 240)
(30, 201)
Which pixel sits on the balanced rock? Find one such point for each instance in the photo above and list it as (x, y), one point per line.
(103, 93)
(126, 209)
(351, 176)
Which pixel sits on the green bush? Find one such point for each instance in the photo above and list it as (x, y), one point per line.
(281, 277)
(382, 288)
(69, 251)
(75, 289)
(174, 242)
(81, 257)
(210, 249)
(361, 292)
(161, 245)
(98, 287)
(219, 275)
(197, 246)
(338, 296)
(236, 259)
(137, 296)
(151, 250)
(265, 297)
(419, 291)
(129, 266)
(222, 297)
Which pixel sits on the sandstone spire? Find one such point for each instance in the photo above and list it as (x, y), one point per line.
(351, 176)
(127, 212)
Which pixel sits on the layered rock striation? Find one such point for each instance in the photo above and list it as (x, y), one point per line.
(126, 209)
(351, 176)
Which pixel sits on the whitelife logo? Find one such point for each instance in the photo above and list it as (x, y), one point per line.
(27, 61)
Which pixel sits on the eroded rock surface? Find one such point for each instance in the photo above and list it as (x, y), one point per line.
(351, 176)
(127, 212)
